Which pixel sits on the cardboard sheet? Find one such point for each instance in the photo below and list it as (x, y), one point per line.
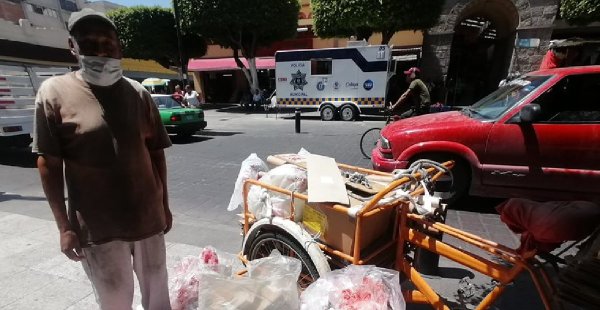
(325, 182)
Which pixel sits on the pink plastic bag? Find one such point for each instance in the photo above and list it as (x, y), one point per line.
(188, 274)
(355, 288)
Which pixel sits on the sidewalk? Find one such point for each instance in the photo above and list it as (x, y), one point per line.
(35, 275)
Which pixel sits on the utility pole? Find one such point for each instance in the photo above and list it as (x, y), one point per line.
(183, 67)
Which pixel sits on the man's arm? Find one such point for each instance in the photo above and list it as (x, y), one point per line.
(159, 161)
(401, 99)
(51, 173)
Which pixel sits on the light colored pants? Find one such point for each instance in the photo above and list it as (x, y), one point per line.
(110, 268)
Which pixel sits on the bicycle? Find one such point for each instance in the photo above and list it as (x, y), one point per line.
(368, 140)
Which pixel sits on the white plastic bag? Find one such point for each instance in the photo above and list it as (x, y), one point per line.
(263, 203)
(270, 285)
(250, 169)
(355, 288)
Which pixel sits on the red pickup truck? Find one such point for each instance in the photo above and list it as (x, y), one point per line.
(536, 137)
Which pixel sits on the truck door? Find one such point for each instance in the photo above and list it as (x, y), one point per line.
(559, 151)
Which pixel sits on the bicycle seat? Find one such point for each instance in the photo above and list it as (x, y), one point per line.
(544, 226)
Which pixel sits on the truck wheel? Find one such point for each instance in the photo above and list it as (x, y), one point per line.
(348, 113)
(450, 190)
(327, 113)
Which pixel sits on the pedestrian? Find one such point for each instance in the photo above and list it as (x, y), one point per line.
(555, 56)
(178, 95)
(105, 131)
(191, 97)
(416, 100)
(256, 98)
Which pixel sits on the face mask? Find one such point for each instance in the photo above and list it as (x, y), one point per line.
(101, 71)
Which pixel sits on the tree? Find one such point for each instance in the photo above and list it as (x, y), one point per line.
(149, 33)
(580, 12)
(242, 26)
(343, 18)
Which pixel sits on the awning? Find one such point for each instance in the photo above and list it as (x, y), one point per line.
(138, 68)
(224, 64)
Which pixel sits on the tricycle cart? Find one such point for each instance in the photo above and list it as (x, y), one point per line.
(381, 227)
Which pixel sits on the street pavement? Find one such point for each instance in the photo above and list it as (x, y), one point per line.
(202, 171)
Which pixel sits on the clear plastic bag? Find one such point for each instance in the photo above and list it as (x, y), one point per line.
(270, 285)
(263, 203)
(355, 288)
(183, 287)
(251, 167)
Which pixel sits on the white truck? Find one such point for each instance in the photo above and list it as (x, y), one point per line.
(18, 86)
(336, 81)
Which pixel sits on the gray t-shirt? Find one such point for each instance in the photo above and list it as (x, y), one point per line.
(104, 136)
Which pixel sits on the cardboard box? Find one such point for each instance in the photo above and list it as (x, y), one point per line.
(337, 229)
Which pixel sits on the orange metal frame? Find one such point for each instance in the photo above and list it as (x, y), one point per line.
(406, 232)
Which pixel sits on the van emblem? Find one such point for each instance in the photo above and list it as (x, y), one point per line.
(320, 86)
(298, 80)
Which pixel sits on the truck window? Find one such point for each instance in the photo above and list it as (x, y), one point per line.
(575, 99)
(320, 67)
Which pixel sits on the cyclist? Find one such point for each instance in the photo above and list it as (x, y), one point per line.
(415, 100)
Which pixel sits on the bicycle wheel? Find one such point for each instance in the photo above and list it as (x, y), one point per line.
(266, 242)
(368, 141)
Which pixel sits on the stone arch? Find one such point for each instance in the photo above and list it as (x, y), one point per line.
(482, 46)
(502, 13)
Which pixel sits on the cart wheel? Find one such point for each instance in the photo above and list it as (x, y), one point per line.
(368, 141)
(266, 242)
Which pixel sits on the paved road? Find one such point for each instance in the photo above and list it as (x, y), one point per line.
(203, 169)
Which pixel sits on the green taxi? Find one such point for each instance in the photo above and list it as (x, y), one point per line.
(177, 119)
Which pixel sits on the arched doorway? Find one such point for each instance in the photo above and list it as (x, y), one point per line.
(482, 47)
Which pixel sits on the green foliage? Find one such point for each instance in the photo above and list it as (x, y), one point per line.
(243, 25)
(580, 12)
(342, 18)
(149, 33)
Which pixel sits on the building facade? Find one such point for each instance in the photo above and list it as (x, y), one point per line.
(230, 85)
(477, 43)
(34, 32)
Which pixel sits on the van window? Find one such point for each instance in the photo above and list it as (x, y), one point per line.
(320, 67)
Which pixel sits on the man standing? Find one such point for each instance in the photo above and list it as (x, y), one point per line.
(105, 132)
(417, 92)
(191, 97)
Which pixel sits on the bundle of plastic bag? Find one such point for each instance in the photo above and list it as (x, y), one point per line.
(183, 286)
(270, 285)
(355, 288)
(264, 203)
(251, 167)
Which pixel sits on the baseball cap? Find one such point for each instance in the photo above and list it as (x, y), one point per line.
(412, 70)
(88, 14)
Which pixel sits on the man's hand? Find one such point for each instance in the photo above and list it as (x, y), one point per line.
(168, 219)
(69, 245)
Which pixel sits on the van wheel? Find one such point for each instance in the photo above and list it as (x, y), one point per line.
(348, 113)
(327, 113)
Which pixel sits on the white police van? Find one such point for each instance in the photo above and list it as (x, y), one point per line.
(336, 81)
